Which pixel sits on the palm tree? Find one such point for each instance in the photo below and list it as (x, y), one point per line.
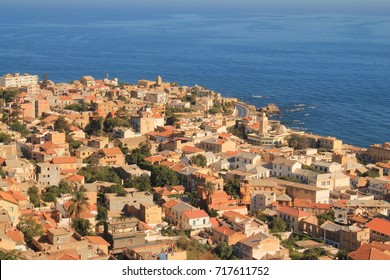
(79, 204)
(209, 189)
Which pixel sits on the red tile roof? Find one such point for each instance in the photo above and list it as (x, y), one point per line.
(169, 204)
(293, 212)
(63, 160)
(112, 151)
(373, 251)
(214, 222)
(224, 231)
(75, 178)
(97, 240)
(195, 214)
(8, 197)
(380, 225)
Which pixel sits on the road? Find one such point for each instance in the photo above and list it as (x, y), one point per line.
(242, 111)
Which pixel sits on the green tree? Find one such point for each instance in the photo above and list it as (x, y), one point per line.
(11, 255)
(224, 251)
(9, 95)
(213, 213)
(82, 226)
(95, 126)
(5, 138)
(33, 193)
(21, 128)
(141, 183)
(61, 125)
(77, 107)
(110, 123)
(298, 142)
(329, 216)
(118, 189)
(30, 228)
(199, 160)
(278, 225)
(99, 173)
(162, 176)
(102, 213)
(342, 255)
(79, 205)
(209, 188)
(232, 187)
(3, 174)
(64, 187)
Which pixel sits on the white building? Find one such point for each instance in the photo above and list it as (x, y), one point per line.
(17, 80)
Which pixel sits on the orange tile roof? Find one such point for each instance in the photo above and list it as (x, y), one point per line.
(75, 178)
(380, 225)
(8, 197)
(293, 212)
(63, 160)
(373, 251)
(195, 214)
(169, 204)
(15, 235)
(17, 195)
(191, 150)
(303, 203)
(214, 222)
(224, 231)
(97, 240)
(49, 146)
(232, 215)
(155, 158)
(112, 151)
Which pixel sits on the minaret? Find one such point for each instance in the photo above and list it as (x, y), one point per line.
(158, 81)
(263, 120)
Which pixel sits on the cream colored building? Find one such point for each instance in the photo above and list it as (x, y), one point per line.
(17, 80)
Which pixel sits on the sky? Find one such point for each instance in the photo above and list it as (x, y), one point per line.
(121, 8)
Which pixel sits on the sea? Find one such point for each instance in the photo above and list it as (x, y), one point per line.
(329, 73)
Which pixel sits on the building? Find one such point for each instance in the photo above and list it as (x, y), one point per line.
(87, 81)
(195, 219)
(17, 80)
(224, 234)
(379, 152)
(48, 174)
(9, 203)
(372, 251)
(150, 213)
(291, 217)
(129, 202)
(347, 238)
(260, 247)
(111, 156)
(123, 233)
(379, 230)
(307, 192)
(283, 167)
(216, 145)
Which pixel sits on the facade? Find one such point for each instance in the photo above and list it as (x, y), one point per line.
(292, 217)
(260, 247)
(48, 174)
(379, 152)
(379, 230)
(150, 213)
(17, 80)
(123, 233)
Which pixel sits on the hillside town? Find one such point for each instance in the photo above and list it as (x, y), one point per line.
(101, 169)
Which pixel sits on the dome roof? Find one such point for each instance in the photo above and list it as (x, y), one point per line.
(281, 129)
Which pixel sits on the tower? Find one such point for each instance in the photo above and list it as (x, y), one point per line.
(263, 120)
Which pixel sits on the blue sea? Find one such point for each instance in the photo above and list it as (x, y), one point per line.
(330, 74)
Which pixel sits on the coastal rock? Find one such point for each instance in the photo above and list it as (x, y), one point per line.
(270, 109)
